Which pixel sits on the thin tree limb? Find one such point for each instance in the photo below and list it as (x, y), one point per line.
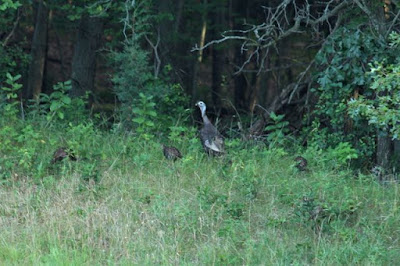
(157, 60)
(6, 40)
(277, 26)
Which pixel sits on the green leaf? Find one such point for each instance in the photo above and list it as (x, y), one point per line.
(17, 86)
(54, 106)
(152, 113)
(66, 100)
(137, 111)
(139, 120)
(17, 77)
(149, 123)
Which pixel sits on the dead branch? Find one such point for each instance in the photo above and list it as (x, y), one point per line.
(8, 37)
(157, 60)
(279, 24)
(129, 4)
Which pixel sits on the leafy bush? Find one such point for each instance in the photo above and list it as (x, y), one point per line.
(342, 153)
(382, 110)
(144, 115)
(13, 57)
(342, 76)
(277, 130)
(58, 105)
(57, 101)
(9, 103)
(134, 82)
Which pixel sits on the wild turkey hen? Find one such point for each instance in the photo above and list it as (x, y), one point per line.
(301, 163)
(212, 140)
(171, 153)
(62, 153)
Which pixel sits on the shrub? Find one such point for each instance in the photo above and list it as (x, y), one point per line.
(342, 76)
(59, 105)
(9, 103)
(134, 84)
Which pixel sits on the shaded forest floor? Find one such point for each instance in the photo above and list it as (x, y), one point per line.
(123, 202)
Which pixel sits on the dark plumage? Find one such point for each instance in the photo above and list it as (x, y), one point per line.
(62, 153)
(171, 153)
(212, 140)
(301, 163)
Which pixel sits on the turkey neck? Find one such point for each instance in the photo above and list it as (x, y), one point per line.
(205, 118)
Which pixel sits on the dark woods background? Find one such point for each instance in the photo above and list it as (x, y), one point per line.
(330, 68)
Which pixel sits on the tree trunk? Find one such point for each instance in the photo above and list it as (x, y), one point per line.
(196, 63)
(216, 76)
(38, 53)
(240, 89)
(218, 23)
(396, 155)
(241, 84)
(384, 150)
(178, 15)
(84, 59)
(385, 145)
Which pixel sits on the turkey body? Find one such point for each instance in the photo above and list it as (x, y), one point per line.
(171, 153)
(62, 153)
(301, 163)
(211, 139)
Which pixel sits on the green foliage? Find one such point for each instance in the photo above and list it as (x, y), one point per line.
(322, 214)
(13, 59)
(58, 105)
(336, 157)
(9, 4)
(144, 115)
(132, 75)
(343, 59)
(247, 207)
(57, 101)
(342, 153)
(134, 83)
(382, 110)
(9, 97)
(342, 76)
(75, 10)
(144, 19)
(278, 130)
(21, 143)
(135, 75)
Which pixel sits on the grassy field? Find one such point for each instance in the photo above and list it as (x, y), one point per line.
(123, 203)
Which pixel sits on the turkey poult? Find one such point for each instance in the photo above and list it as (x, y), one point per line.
(301, 163)
(212, 140)
(62, 153)
(171, 153)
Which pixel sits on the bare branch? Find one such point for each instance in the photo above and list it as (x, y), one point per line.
(302, 75)
(6, 40)
(392, 24)
(279, 24)
(196, 48)
(363, 6)
(157, 60)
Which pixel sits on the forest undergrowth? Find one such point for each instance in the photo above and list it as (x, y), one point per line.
(122, 202)
(311, 131)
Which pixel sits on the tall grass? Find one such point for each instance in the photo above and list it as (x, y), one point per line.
(123, 203)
